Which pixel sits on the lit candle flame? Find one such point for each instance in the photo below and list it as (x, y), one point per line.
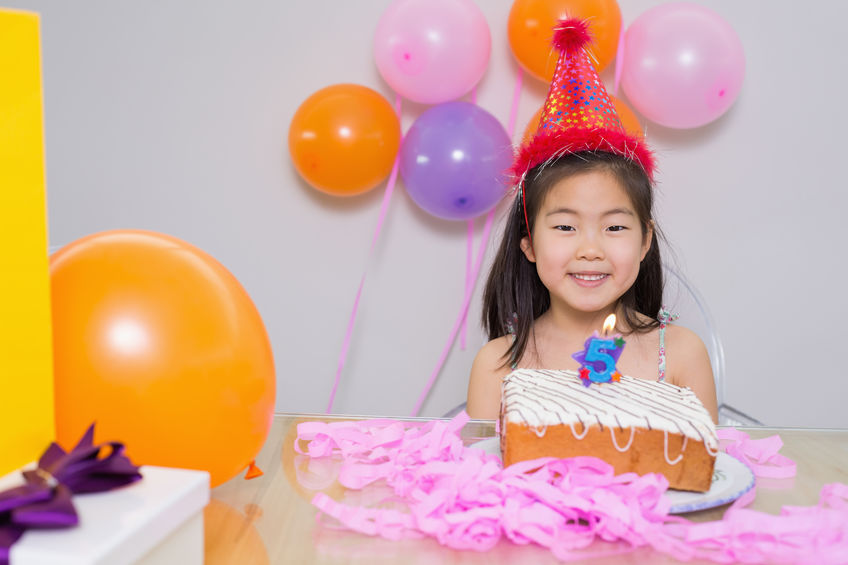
(609, 324)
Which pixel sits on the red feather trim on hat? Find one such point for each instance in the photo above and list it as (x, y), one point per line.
(548, 146)
(571, 35)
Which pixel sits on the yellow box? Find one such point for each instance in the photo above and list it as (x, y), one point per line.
(26, 349)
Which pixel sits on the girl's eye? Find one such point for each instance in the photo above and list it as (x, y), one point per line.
(617, 228)
(564, 228)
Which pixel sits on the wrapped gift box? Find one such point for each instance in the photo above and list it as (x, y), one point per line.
(158, 519)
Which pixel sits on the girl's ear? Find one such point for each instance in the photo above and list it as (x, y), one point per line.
(646, 241)
(527, 248)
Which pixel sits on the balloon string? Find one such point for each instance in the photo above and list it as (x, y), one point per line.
(384, 207)
(390, 186)
(462, 313)
(469, 286)
(516, 96)
(469, 256)
(619, 62)
(472, 279)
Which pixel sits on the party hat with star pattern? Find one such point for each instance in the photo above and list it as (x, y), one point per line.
(578, 114)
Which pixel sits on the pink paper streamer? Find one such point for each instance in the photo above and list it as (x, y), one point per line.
(384, 207)
(471, 279)
(760, 455)
(463, 498)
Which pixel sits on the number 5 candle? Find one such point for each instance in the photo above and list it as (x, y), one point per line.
(600, 354)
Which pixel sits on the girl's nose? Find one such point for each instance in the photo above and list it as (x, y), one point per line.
(589, 248)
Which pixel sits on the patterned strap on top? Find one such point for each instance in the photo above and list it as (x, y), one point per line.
(664, 318)
(510, 327)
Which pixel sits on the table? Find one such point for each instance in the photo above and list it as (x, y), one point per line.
(270, 519)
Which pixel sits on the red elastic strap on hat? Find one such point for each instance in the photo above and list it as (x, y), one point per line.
(524, 208)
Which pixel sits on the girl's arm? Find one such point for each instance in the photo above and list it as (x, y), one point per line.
(689, 365)
(484, 385)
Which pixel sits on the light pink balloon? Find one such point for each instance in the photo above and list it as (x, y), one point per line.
(432, 51)
(683, 65)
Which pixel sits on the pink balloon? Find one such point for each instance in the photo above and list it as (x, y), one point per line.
(432, 51)
(683, 65)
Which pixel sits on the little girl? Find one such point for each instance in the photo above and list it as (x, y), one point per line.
(580, 243)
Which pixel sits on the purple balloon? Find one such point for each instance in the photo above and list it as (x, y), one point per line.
(454, 161)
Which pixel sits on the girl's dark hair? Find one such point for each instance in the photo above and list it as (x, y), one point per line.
(515, 296)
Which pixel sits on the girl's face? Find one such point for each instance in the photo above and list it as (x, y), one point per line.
(587, 242)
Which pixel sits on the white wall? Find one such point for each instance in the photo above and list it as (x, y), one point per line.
(173, 116)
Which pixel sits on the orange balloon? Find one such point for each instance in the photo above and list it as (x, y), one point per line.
(344, 139)
(530, 29)
(532, 126)
(160, 345)
(625, 114)
(228, 533)
(628, 118)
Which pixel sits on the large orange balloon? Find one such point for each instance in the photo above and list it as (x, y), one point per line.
(530, 29)
(344, 139)
(160, 345)
(625, 114)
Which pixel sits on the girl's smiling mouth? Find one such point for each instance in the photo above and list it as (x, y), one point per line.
(589, 279)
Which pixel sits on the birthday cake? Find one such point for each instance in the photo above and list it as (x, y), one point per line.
(636, 425)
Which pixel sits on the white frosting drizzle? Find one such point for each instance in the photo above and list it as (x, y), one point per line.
(540, 398)
(615, 443)
(665, 450)
(540, 431)
(575, 434)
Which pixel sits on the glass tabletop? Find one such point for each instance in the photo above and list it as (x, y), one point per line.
(271, 519)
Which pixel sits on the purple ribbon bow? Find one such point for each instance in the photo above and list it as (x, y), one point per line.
(44, 501)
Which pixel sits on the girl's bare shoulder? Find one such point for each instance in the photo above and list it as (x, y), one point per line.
(689, 366)
(684, 342)
(495, 354)
(484, 384)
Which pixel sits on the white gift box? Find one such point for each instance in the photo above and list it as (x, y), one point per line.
(158, 519)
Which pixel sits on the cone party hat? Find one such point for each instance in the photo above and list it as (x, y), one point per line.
(578, 114)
